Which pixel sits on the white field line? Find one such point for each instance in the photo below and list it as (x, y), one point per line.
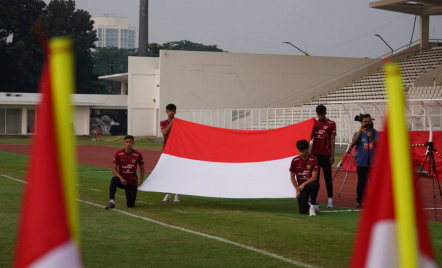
(344, 210)
(92, 189)
(220, 239)
(196, 212)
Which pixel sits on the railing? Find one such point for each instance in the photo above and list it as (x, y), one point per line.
(342, 113)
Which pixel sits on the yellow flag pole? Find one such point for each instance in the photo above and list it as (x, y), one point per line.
(404, 199)
(61, 64)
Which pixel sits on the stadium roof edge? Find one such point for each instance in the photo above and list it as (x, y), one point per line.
(417, 7)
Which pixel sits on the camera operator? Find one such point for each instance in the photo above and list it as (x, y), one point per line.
(366, 140)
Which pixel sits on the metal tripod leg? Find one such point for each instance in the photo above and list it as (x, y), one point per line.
(347, 153)
(346, 174)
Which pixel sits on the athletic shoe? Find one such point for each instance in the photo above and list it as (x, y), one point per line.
(177, 198)
(330, 204)
(110, 206)
(167, 198)
(317, 207)
(312, 211)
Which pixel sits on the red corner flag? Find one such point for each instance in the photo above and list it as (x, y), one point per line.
(47, 235)
(392, 230)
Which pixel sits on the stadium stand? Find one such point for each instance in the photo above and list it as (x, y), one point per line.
(369, 88)
(372, 86)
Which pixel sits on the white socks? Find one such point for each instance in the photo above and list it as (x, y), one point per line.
(112, 201)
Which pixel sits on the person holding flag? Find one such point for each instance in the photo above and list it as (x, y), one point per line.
(323, 148)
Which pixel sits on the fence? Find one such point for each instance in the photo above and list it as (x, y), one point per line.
(421, 115)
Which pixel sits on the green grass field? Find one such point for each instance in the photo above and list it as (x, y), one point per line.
(114, 239)
(117, 141)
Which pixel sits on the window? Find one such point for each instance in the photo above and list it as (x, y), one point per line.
(100, 37)
(111, 38)
(13, 121)
(30, 126)
(2, 121)
(131, 39)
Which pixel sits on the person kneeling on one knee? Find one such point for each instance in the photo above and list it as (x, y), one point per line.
(125, 170)
(304, 174)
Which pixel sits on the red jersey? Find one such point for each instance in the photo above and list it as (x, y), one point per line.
(322, 133)
(164, 124)
(127, 165)
(303, 169)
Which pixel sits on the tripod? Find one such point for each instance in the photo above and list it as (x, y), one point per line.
(432, 172)
(347, 153)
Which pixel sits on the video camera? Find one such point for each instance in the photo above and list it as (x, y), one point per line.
(359, 118)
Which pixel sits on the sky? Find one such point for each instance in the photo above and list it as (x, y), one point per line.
(338, 28)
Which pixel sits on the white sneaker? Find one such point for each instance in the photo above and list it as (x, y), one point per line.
(317, 207)
(167, 198)
(330, 203)
(177, 198)
(312, 211)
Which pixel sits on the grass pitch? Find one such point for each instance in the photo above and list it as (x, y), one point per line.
(113, 239)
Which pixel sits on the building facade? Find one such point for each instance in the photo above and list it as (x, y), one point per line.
(114, 32)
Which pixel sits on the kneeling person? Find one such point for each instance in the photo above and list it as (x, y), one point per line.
(126, 162)
(304, 174)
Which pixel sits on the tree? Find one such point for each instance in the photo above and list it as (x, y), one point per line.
(22, 58)
(190, 46)
(110, 60)
(62, 19)
(154, 48)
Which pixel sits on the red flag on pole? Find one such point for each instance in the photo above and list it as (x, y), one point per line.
(47, 233)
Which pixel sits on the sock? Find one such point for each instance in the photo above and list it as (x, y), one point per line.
(112, 201)
(330, 199)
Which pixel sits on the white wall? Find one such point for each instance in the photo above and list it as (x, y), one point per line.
(81, 120)
(82, 106)
(143, 96)
(219, 80)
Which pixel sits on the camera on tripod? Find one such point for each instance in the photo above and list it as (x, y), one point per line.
(359, 118)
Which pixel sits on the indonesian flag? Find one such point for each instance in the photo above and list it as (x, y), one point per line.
(215, 162)
(47, 234)
(392, 230)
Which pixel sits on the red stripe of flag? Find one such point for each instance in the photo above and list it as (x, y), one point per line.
(43, 224)
(199, 142)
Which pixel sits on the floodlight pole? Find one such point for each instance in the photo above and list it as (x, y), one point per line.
(296, 48)
(385, 42)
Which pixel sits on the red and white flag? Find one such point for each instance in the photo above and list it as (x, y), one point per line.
(392, 230)
(215, 162)
(48, 233)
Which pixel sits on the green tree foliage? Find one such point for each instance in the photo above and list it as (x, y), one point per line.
(111, 60)
(24, 55)
(22, 58)
(154, 48)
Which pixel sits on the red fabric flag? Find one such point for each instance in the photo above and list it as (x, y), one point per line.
(376, 241)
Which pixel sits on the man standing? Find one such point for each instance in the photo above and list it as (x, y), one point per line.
(166, 126)
(323, 148)
(366, 140)
(303, 174)
(125, 170)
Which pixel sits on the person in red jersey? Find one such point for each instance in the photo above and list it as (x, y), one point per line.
(323, 148)
(166, 127)
(304, 176)
(125, 170)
